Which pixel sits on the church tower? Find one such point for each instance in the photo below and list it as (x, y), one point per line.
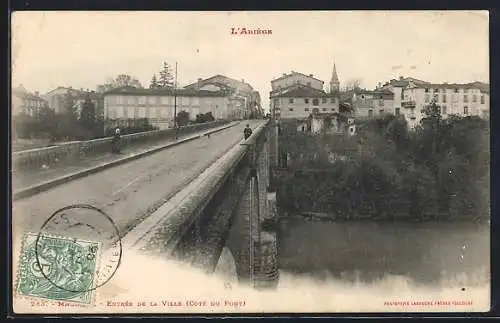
(334, 82)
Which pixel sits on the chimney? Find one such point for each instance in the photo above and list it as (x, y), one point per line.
(311, 75)
(401, 78)
(284, 74)
(243, 80)
(198, 83)
(37, 93)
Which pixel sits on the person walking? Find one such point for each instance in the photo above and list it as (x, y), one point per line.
(116, 141)
(247, 132)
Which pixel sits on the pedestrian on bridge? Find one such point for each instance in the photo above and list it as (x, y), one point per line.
(116, 141)
(247, 132)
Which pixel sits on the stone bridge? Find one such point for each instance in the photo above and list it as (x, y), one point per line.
(231, 205)
(189, 201)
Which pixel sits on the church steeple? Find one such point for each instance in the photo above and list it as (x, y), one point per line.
(334, 82)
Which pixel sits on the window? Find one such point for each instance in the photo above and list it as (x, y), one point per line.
(290, 109)
(427, 98)
(426, 90)
(443, 109)
(443, 98)
(466, 110)
(436, 90)
(142, 100)
(474, 98)
(164, 112)
(306, 100)
(308, 83)
(316, 102)
(165, 100)
(370, 113)
(120, 99)
(152, 100)
(290, 100)
(332, 100)
(142, 112)
(119, 112)
(381, 102)
(324, 109)
(381, 111)
(152, 112)
(131, 100)
(456, 90)
(306, 109)
(111, 111)
(323, 100)
(131, 112)
(482, 99)
(466, 98)
(397, 111)
(333, 109)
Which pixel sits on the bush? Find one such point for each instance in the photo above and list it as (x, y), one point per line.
(439, 172)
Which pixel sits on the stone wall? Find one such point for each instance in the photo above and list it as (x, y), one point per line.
(35, 158)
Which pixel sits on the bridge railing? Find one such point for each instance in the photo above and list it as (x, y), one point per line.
(35, 158)
(196, 197)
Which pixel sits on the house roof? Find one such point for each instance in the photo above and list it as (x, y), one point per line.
(414, 80)
(166, 91)
(26, 95)
(210, 81)
(300, 91)
(384, 94)
(294, 73)
(483, 87)
(77, 91)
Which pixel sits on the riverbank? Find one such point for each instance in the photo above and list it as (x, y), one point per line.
(329, 217)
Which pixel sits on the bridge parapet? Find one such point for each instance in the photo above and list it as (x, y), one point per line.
(227, 205)
(35, 158)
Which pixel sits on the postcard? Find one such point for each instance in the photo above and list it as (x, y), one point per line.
(250, 162)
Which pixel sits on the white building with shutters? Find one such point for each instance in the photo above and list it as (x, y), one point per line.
(158, 105)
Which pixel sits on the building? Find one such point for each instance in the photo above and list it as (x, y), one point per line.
(397, 87)
(453, 99)
(377, 103)
(25, 102)
(294, 78)
(242, 93)
(299, 101)
(297, 96)
(158, 105)
(56, 97)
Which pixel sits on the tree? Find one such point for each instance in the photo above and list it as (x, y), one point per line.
(121, 80)
(87, 114)
(154, 83)
(67, 121)
(166, 78)
(349, 88)
(209, 117)
(182, 118)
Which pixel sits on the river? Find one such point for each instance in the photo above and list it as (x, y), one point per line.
(426, 254)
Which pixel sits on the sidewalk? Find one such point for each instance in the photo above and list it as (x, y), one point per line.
(31, 177)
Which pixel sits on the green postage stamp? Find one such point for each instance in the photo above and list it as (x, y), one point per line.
(58, 268)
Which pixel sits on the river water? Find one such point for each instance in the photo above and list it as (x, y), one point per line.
(426, 254)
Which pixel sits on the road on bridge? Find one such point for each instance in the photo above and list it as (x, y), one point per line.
(129, 192)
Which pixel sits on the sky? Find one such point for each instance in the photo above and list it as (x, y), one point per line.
(83, 49)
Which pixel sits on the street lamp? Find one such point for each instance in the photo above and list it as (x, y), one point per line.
(175, 104)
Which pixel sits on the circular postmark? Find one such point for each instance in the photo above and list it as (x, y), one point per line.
(78, 249)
